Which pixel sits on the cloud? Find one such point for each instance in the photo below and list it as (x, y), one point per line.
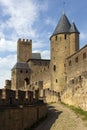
(45, 54)
(18, 20)
(50, 21)
(21, 16)
(39, 44)
(83, 35)
(7, 45)
(6, 64)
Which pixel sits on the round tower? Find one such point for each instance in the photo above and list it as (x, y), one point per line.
(74, 39)
(60, 49)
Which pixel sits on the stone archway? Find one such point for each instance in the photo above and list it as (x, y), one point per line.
(27, 82)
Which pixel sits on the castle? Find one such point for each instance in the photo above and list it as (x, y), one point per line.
(63, 77)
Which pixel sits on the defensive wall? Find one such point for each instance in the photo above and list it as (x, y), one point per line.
(21, 118)
(40, 73)
(75, 92)
(17, 97)
(50, 96)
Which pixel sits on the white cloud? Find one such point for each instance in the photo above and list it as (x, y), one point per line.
(50, 21)
(6, 64)
(83, 35)
(18, 21)
(38, 44)
(45, 54)
(22, 15)
(7, 45)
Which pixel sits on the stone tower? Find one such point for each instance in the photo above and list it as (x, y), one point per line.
(64, 42)
(20, 76)
(24, 50)
(20, 73)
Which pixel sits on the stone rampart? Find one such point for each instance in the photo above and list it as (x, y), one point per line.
(21, 118)
(50, 96)
(76, 92)
(18, 97)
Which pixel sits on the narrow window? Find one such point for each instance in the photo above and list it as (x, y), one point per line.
(56, 80)
(84, 55)
(56, 38)
(65, 36)
(70, 63)
(80, 78)
(26, 71)
(21, 71)
(72, 81)
(54, 67)
(76, 59)
(64, 65)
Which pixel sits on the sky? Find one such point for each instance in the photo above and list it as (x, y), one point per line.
(36, 20)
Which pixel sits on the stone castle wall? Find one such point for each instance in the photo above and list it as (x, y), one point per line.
(40, 74)
(50, 96)
(75, 92)
(13, 98)
(21, 118)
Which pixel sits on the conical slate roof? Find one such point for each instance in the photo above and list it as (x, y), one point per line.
(73, 28)
(63, 25)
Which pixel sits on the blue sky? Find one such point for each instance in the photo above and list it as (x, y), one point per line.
(36, 20)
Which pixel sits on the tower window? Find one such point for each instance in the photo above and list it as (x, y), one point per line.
(56, 38)
(76, 59)
(56, 80)
(21, 71)
(26, 71)
(65, 36)
(72, 81)
(54, 67)
(70, 63)
(84, 55)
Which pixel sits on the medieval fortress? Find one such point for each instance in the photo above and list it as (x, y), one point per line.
(62, 78)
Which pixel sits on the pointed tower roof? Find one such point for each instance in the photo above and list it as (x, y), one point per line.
(73, 28)
(63, 25)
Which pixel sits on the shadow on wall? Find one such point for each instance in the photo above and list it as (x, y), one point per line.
(52, 115)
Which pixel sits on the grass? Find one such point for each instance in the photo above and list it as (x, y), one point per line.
(78, 111)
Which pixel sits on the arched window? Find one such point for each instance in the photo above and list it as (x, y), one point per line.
(27, 81)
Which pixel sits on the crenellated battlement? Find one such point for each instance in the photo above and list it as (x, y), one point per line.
(24, 41)
(16, 97)
(24, 50)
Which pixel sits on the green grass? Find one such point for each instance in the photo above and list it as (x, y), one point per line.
(78, 111)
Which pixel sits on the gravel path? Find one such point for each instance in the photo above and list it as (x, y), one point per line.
(61, 118)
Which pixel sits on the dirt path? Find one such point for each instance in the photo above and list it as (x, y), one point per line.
(61, 118)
